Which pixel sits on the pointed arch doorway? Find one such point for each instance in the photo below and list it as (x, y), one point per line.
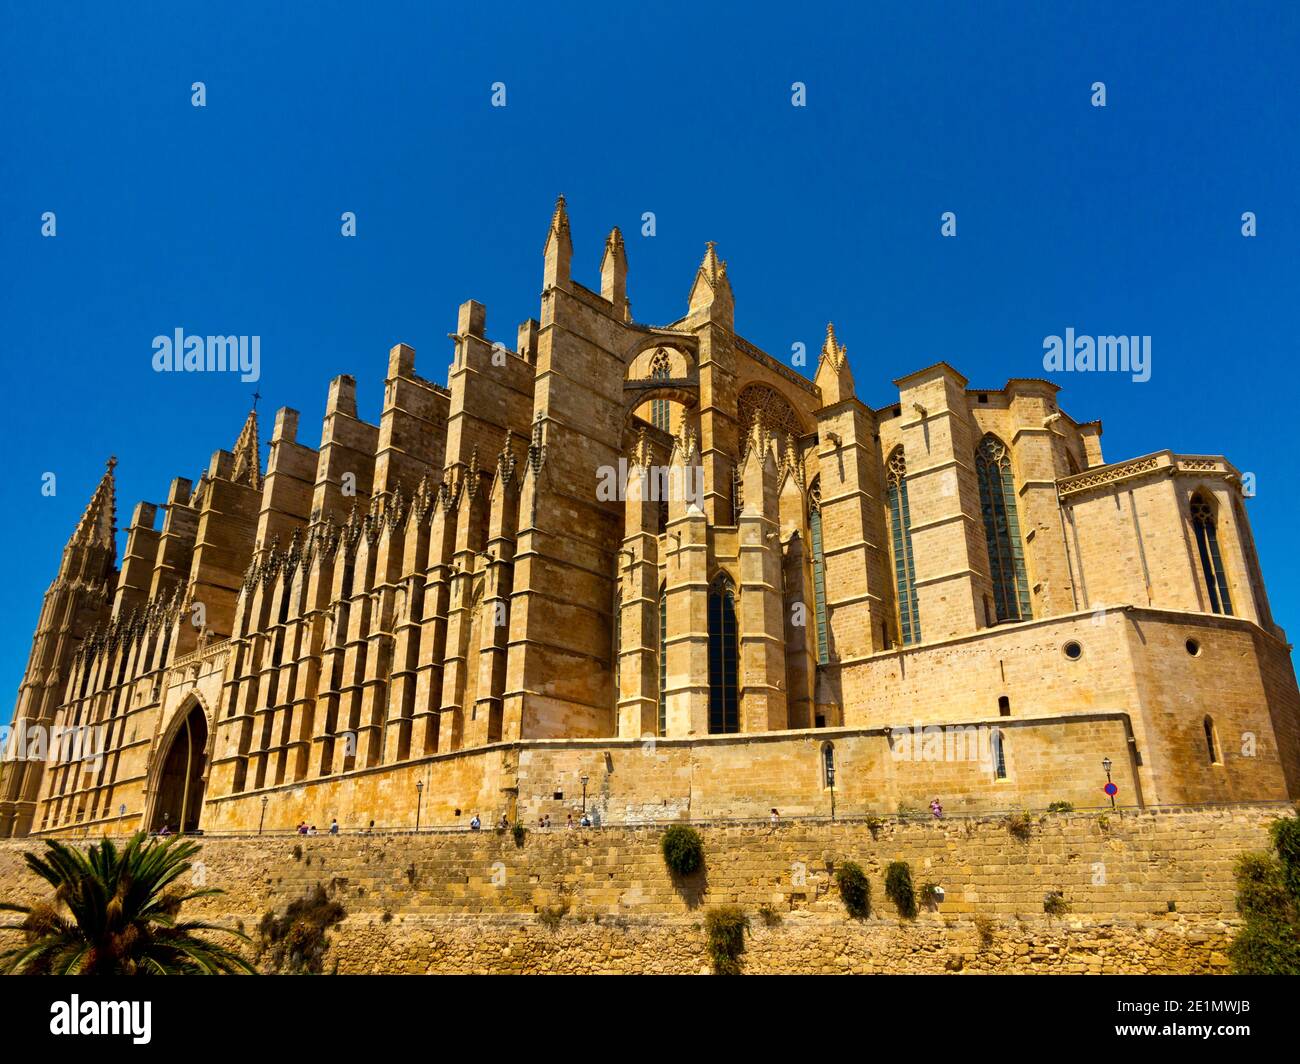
(178, 801)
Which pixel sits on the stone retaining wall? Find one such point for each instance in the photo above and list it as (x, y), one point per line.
(1147, 892)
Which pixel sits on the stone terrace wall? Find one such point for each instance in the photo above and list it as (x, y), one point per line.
(456, 902)
(634, 781)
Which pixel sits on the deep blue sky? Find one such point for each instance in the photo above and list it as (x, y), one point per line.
(226, 219)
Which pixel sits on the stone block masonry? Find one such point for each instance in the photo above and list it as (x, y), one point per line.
(449, 610)
(1148, 892)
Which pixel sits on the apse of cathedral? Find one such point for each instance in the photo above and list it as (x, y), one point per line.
(661, 562)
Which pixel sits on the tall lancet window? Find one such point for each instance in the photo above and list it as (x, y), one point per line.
(724, 701)
(1207, 544)
(617, 648)
(660, 409)
(663, 660)
(1002, 531)
(818, 567)
(900, 525)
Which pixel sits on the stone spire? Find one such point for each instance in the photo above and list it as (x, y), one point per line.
(712, 267)
(613, 274)
(77, 603)
(247, 468)
(831, 348)
(558, 252)
(559, 220)
(758, 435)
(833, 375)
(760, 471)
(792, 462)
(711, 292)
(97, 527)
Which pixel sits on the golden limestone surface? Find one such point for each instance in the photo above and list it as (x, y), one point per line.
(652, 572)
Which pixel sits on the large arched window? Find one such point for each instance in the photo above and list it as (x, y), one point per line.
(819, 569)
(1002, 531)
(900, 524)
(663, 660)
(724, 708)
(779, 418)
(660, 409)
(1207, 544)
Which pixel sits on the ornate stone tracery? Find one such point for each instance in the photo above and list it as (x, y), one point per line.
(896, 471)
(778, 416)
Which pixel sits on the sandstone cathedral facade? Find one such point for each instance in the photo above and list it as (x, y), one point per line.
(787, 599)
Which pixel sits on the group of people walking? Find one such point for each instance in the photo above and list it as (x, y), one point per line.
(304, 829)
(543, 822)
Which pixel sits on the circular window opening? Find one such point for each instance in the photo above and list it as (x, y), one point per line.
(1193, 647)
(1072, 650)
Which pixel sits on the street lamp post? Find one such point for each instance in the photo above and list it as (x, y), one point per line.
(419, 797)
(830, 780)
(584, 795)
(1105, 763)
(262, 821)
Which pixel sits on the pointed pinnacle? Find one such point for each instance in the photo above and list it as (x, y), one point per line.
(560, 218)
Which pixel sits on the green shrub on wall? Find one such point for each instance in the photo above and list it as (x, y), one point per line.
(726, 926)
(1285, 833)
(1268, 898)
(296, 943)
(1020, 825)
(683, 850)
(855, 891)
(549, 916)
(1054, 903)
(899, 890)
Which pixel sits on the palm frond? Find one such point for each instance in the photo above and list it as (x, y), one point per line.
(121, 914)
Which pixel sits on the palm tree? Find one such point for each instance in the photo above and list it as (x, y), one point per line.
(114, 912)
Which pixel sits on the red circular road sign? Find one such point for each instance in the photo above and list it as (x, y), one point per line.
(1111, 789)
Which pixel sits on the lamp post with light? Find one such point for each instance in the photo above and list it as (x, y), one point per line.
(262, 820)
(1110, 788)
(584, 795)
(419, 798)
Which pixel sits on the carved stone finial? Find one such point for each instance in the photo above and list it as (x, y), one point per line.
(472, 475)
(832, 349)
(641, 451)
(506, 460)
(537, 449)
(793, 461)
